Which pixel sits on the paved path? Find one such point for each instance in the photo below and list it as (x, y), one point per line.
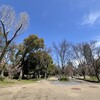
(44, 90)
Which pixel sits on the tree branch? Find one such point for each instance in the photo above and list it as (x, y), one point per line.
(4, 32)
(15, 34)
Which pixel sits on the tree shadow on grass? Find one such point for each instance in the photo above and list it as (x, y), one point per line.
(92, 81)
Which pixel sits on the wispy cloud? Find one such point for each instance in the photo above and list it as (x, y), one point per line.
(98, 44)
(91, 18)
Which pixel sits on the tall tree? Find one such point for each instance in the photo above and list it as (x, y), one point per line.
(91, 54)
(30, 44)
(70, 69)
(46, 61)
(62, 51)
(11, 25)
(79, 57)
(39, 64)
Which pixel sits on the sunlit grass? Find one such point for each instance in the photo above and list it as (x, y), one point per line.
(92, 78)
(9, 82)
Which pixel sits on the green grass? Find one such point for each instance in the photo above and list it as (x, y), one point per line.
(92, 78)
(10, 82)
(64, 78)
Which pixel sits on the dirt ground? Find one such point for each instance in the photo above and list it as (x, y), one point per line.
(44, 90)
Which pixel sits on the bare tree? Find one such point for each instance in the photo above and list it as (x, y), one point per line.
(69, 69)
(92, 56)
(11, 25)
(4, 63)
(79, 57)
(62, 54)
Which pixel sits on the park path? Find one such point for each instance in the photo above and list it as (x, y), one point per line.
(44, 90)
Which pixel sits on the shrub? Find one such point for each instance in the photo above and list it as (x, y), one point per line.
(64, 78)
(2, 78)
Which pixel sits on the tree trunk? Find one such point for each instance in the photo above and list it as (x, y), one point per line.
(2, 73)
(62, 71)
(21, 74)
(97, 76)
(84, 77)
(1, 57)
(3, 52)
(10, 75)
(45, 75)
(22, 68)
(45, 72)
(39, 74)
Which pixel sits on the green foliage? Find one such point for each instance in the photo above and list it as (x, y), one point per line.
(92, 78)
(2, 78)
(64, 78)
(26, 59)
(39, 63)
(35, 61)
(33, 43)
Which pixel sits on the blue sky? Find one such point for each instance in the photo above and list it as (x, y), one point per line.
(55, 20)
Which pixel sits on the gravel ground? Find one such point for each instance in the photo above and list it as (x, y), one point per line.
(44, 90)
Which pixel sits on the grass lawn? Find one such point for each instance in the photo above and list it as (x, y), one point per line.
(89, 79)
(10, 82)
(93, 78)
